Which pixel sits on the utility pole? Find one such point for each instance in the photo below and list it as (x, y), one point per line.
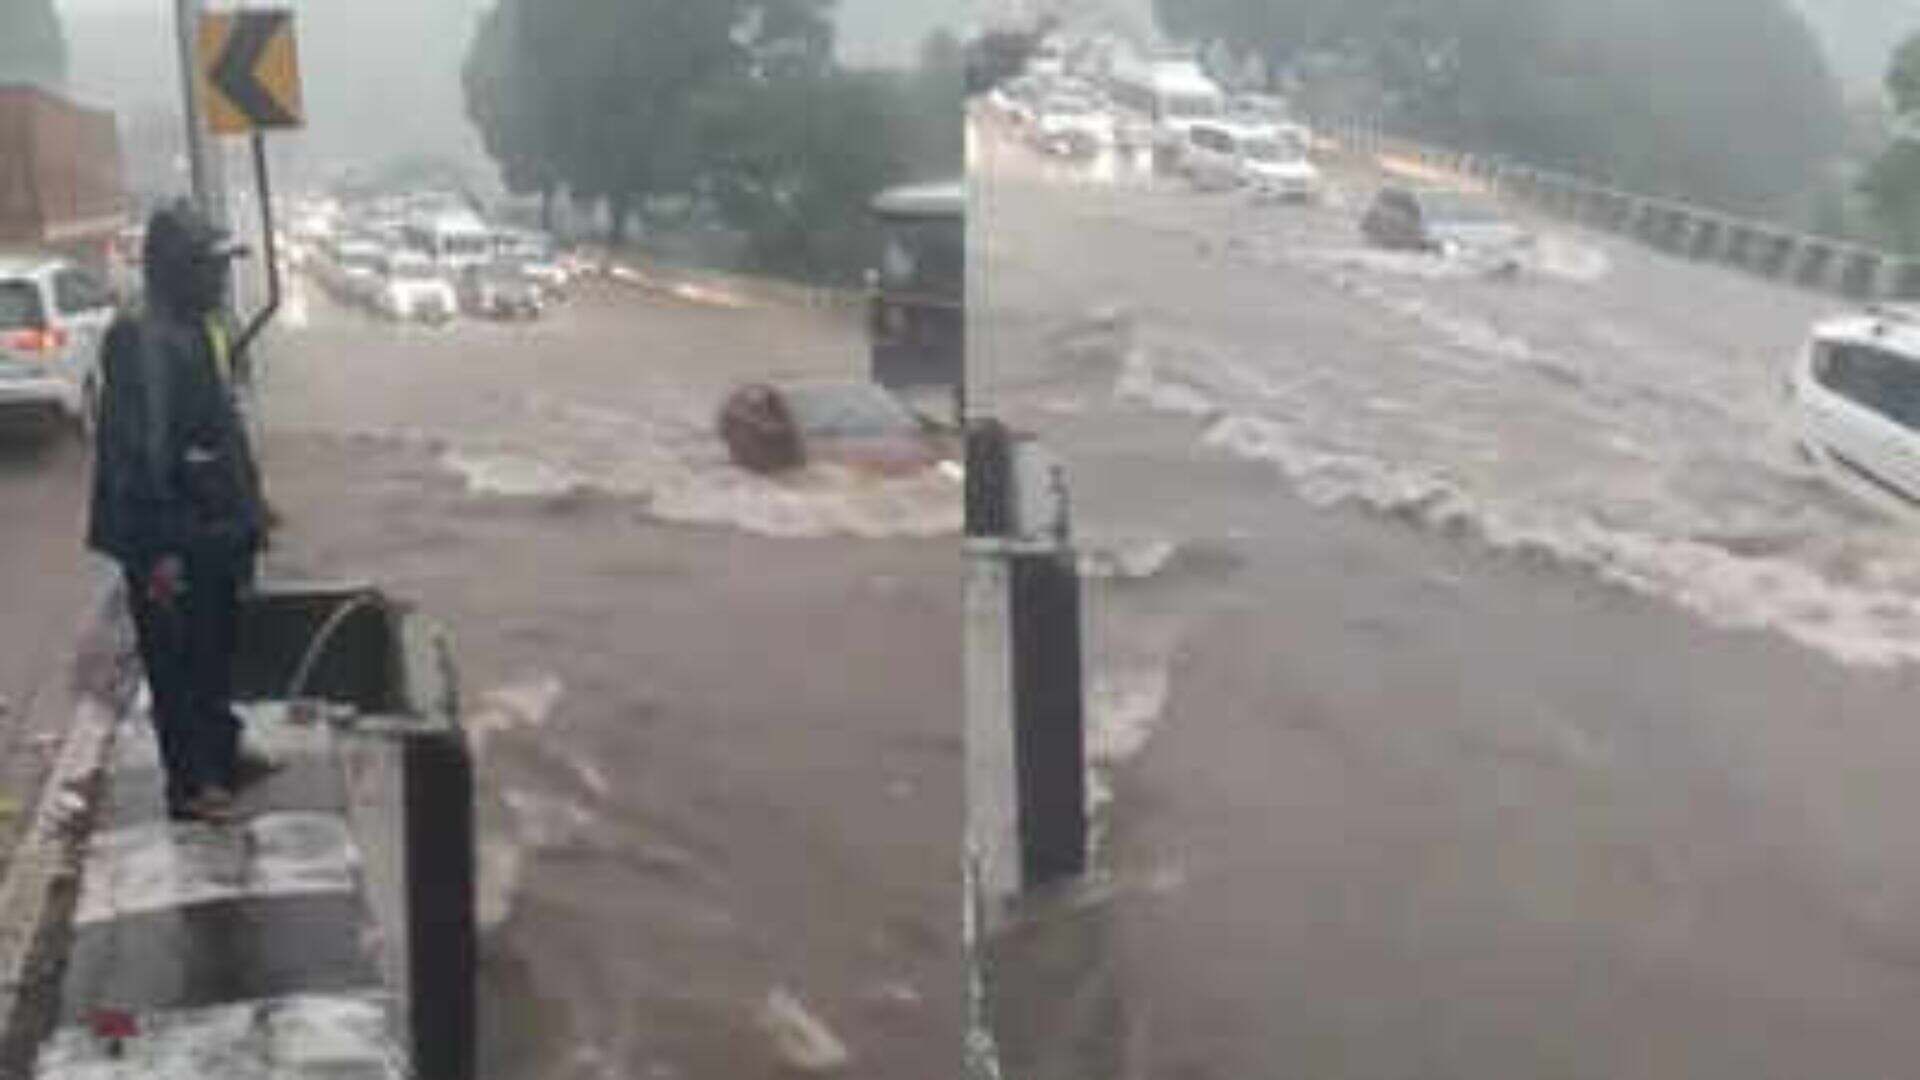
(209, 175)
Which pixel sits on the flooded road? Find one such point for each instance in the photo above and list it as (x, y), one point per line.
(716, 716)
(50, 591)
(1481, 686)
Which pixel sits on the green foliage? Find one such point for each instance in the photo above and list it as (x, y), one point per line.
(794, 160)
(32, 47)
(1892, 185)
(732, 105)
(1903, 78)
(1892, 188)
(1723, 101)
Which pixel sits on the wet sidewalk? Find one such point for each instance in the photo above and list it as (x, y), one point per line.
(242, 950)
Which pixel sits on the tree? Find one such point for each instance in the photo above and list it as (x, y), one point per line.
(602, 95)
(1892, 184)
(32, 47)
(1728, 102)
(505, 107)
(794, 162)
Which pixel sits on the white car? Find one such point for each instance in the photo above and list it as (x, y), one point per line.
(1211, 158)
(413, 290)
(53, 319)
(351, 272)
(1018, 100)
(1855, 392)
(1274, 165)
(539, 261)
(1072, 124)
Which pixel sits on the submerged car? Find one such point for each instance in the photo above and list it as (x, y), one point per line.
(775, 427)
(1453, 223)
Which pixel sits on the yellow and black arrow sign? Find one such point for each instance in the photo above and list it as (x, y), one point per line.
(249, 71)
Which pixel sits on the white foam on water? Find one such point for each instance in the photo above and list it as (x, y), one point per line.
(1571, 259)
(818, 501)
(1144, 382)
(501, 861)
(1123, 708)
(518, 706)
(545, 821)
(1853, 622)
(1129, 559)
(1377, 261)
(680, 470)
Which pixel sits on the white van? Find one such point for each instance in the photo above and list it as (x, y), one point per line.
(454, 240)
(1856, 394)
(1274, 163)
(1164, 98)
(1211, 158)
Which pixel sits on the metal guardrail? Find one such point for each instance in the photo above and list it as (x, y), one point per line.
(1759, 248)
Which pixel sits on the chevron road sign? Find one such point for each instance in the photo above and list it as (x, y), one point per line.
(249, 71)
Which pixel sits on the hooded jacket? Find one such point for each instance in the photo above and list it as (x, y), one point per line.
(173, 471)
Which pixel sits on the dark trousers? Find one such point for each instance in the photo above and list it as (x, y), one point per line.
(187, 649)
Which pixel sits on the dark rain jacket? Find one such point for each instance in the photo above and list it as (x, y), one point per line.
(173, 471)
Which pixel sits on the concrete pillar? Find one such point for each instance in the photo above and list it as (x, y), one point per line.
(1706, 239)
(1026, 739)
(1812, 265)
(1859, 274)
(1905, 274)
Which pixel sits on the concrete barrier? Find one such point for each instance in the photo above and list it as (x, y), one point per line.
(1811, 265)
(1708, 234)
(409, 791)
(1738, 250)
(1859, 274)
(1775, 254)
(1027, 821)
(1903, 279)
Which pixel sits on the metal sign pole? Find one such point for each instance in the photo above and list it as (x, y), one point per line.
(267, 245)
(186, 15)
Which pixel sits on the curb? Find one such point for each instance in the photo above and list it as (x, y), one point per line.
(42, 882)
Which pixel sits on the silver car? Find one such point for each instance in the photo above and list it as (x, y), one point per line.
(54, 317)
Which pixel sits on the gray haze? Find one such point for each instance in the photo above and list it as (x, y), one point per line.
(382, 77)
(1861, 35)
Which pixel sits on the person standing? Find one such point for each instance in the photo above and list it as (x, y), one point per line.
(177, 503)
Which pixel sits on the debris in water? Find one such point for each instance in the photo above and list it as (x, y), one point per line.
(113, 1027)
(801, 1039)
(896, 994)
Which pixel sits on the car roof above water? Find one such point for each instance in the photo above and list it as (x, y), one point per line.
(22, 264)
(1895, 328)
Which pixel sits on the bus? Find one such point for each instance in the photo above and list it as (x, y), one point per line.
(1160, 98)
(916, 310)
(454, 240)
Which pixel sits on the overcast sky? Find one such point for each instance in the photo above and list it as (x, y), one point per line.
(381, 77)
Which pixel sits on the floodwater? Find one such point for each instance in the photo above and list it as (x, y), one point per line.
(1481, 685)
(716, 715)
